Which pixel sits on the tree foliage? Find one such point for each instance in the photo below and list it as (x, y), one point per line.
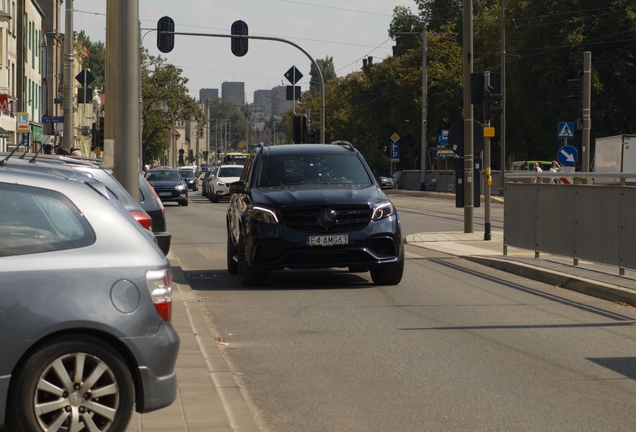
(544, 43)
(94, 60)
(327, 69)
(165, 100)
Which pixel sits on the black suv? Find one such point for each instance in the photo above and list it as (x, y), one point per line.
(311, 206)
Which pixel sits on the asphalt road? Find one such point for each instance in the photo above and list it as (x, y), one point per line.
(454, 347)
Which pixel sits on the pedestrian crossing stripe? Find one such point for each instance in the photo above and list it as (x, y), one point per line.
(566, 132)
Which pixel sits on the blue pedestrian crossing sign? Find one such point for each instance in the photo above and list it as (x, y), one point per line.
(566, 130)
(567, 155)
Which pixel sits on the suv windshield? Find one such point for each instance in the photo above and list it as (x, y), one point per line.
(163, 175)
(297, 169)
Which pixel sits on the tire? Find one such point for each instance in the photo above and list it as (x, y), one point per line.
(214, 198)
(389, 274)
(183, 203)
(232, 266)
(248, 275)
(64, 354)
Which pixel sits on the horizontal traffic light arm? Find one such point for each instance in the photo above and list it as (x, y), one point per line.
(313, 62)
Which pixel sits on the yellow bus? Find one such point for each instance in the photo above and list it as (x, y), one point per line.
(234, 158)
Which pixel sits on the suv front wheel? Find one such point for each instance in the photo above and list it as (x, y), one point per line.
(248, 275)
(389, 274)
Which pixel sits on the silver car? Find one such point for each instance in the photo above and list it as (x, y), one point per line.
(85, 307)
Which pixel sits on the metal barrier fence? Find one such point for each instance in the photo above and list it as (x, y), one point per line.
(582, 221)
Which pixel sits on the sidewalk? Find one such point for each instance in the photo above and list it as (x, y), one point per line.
(589, 278)
(208, 398)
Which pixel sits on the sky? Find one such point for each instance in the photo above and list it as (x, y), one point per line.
(347, 30)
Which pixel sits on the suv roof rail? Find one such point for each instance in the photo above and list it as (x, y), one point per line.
(344, 144)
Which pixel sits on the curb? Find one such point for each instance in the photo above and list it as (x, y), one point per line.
(579, 284)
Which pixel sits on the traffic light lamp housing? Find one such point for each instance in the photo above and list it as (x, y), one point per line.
(574, 99)
(239, 45)
(492, 103)
(165, 42)
(299, 129)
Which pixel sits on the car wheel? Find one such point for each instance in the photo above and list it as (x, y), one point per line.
(73, 382)
(184, 203)
(248, 275)
(232, 266)
(389, 274)
(215, 198)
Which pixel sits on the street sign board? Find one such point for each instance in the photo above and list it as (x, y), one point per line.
(52, 119)
(489, 132)
(567, 155)
(22, 119)
(293, 75)
(85, 78)
(566, 130)
(395, 152)
(395, 137)
(443, 137)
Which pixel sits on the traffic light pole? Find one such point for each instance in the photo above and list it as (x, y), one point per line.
(313, 62)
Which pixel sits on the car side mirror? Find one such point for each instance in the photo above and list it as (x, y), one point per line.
(237, 187)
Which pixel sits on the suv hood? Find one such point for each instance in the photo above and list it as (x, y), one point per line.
(317, 195)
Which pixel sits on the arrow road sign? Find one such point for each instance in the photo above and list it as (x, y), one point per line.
(567, 155)
(566, 130)
(293, 75)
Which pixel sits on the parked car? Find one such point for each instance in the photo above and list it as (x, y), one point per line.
(386, 182)
(70, 167)
(311, 206)
(205, 182)
(169, 185)
(85, 309)
(220, 183)
(190, 177)
(151, 203)
(397, 180)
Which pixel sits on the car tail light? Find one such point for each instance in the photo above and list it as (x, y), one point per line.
(161, 292)
(143, 218)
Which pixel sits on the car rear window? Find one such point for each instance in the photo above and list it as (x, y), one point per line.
(34, 220)
(286, 170)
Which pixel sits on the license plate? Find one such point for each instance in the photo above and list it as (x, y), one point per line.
(165, 193)
(328, 240)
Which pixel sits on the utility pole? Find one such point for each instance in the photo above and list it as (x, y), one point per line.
(469, 163)
(69, 58)
(586, 102)
(424, 144)
(488, 132)
(503, 92)
(127, 123)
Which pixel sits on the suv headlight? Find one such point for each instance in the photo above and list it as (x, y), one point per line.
(264, 215)
(382, 210)
(180, 187)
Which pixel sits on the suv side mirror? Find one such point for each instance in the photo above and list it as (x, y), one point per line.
(237, 187)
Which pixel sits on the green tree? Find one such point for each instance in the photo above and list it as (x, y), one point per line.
(94, 60)
(165, 100)
(326, 67)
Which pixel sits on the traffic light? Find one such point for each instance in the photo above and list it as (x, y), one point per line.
(165, 42)
(190, 156)
(239, 45)
(98, 134)
(496, 107)
(575, 83)
(299, 129)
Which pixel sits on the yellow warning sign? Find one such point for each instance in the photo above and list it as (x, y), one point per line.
(489, 132)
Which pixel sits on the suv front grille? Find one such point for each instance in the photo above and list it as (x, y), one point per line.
(306, 218)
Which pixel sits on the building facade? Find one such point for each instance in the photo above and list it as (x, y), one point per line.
(208, 94)
(234, 92)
